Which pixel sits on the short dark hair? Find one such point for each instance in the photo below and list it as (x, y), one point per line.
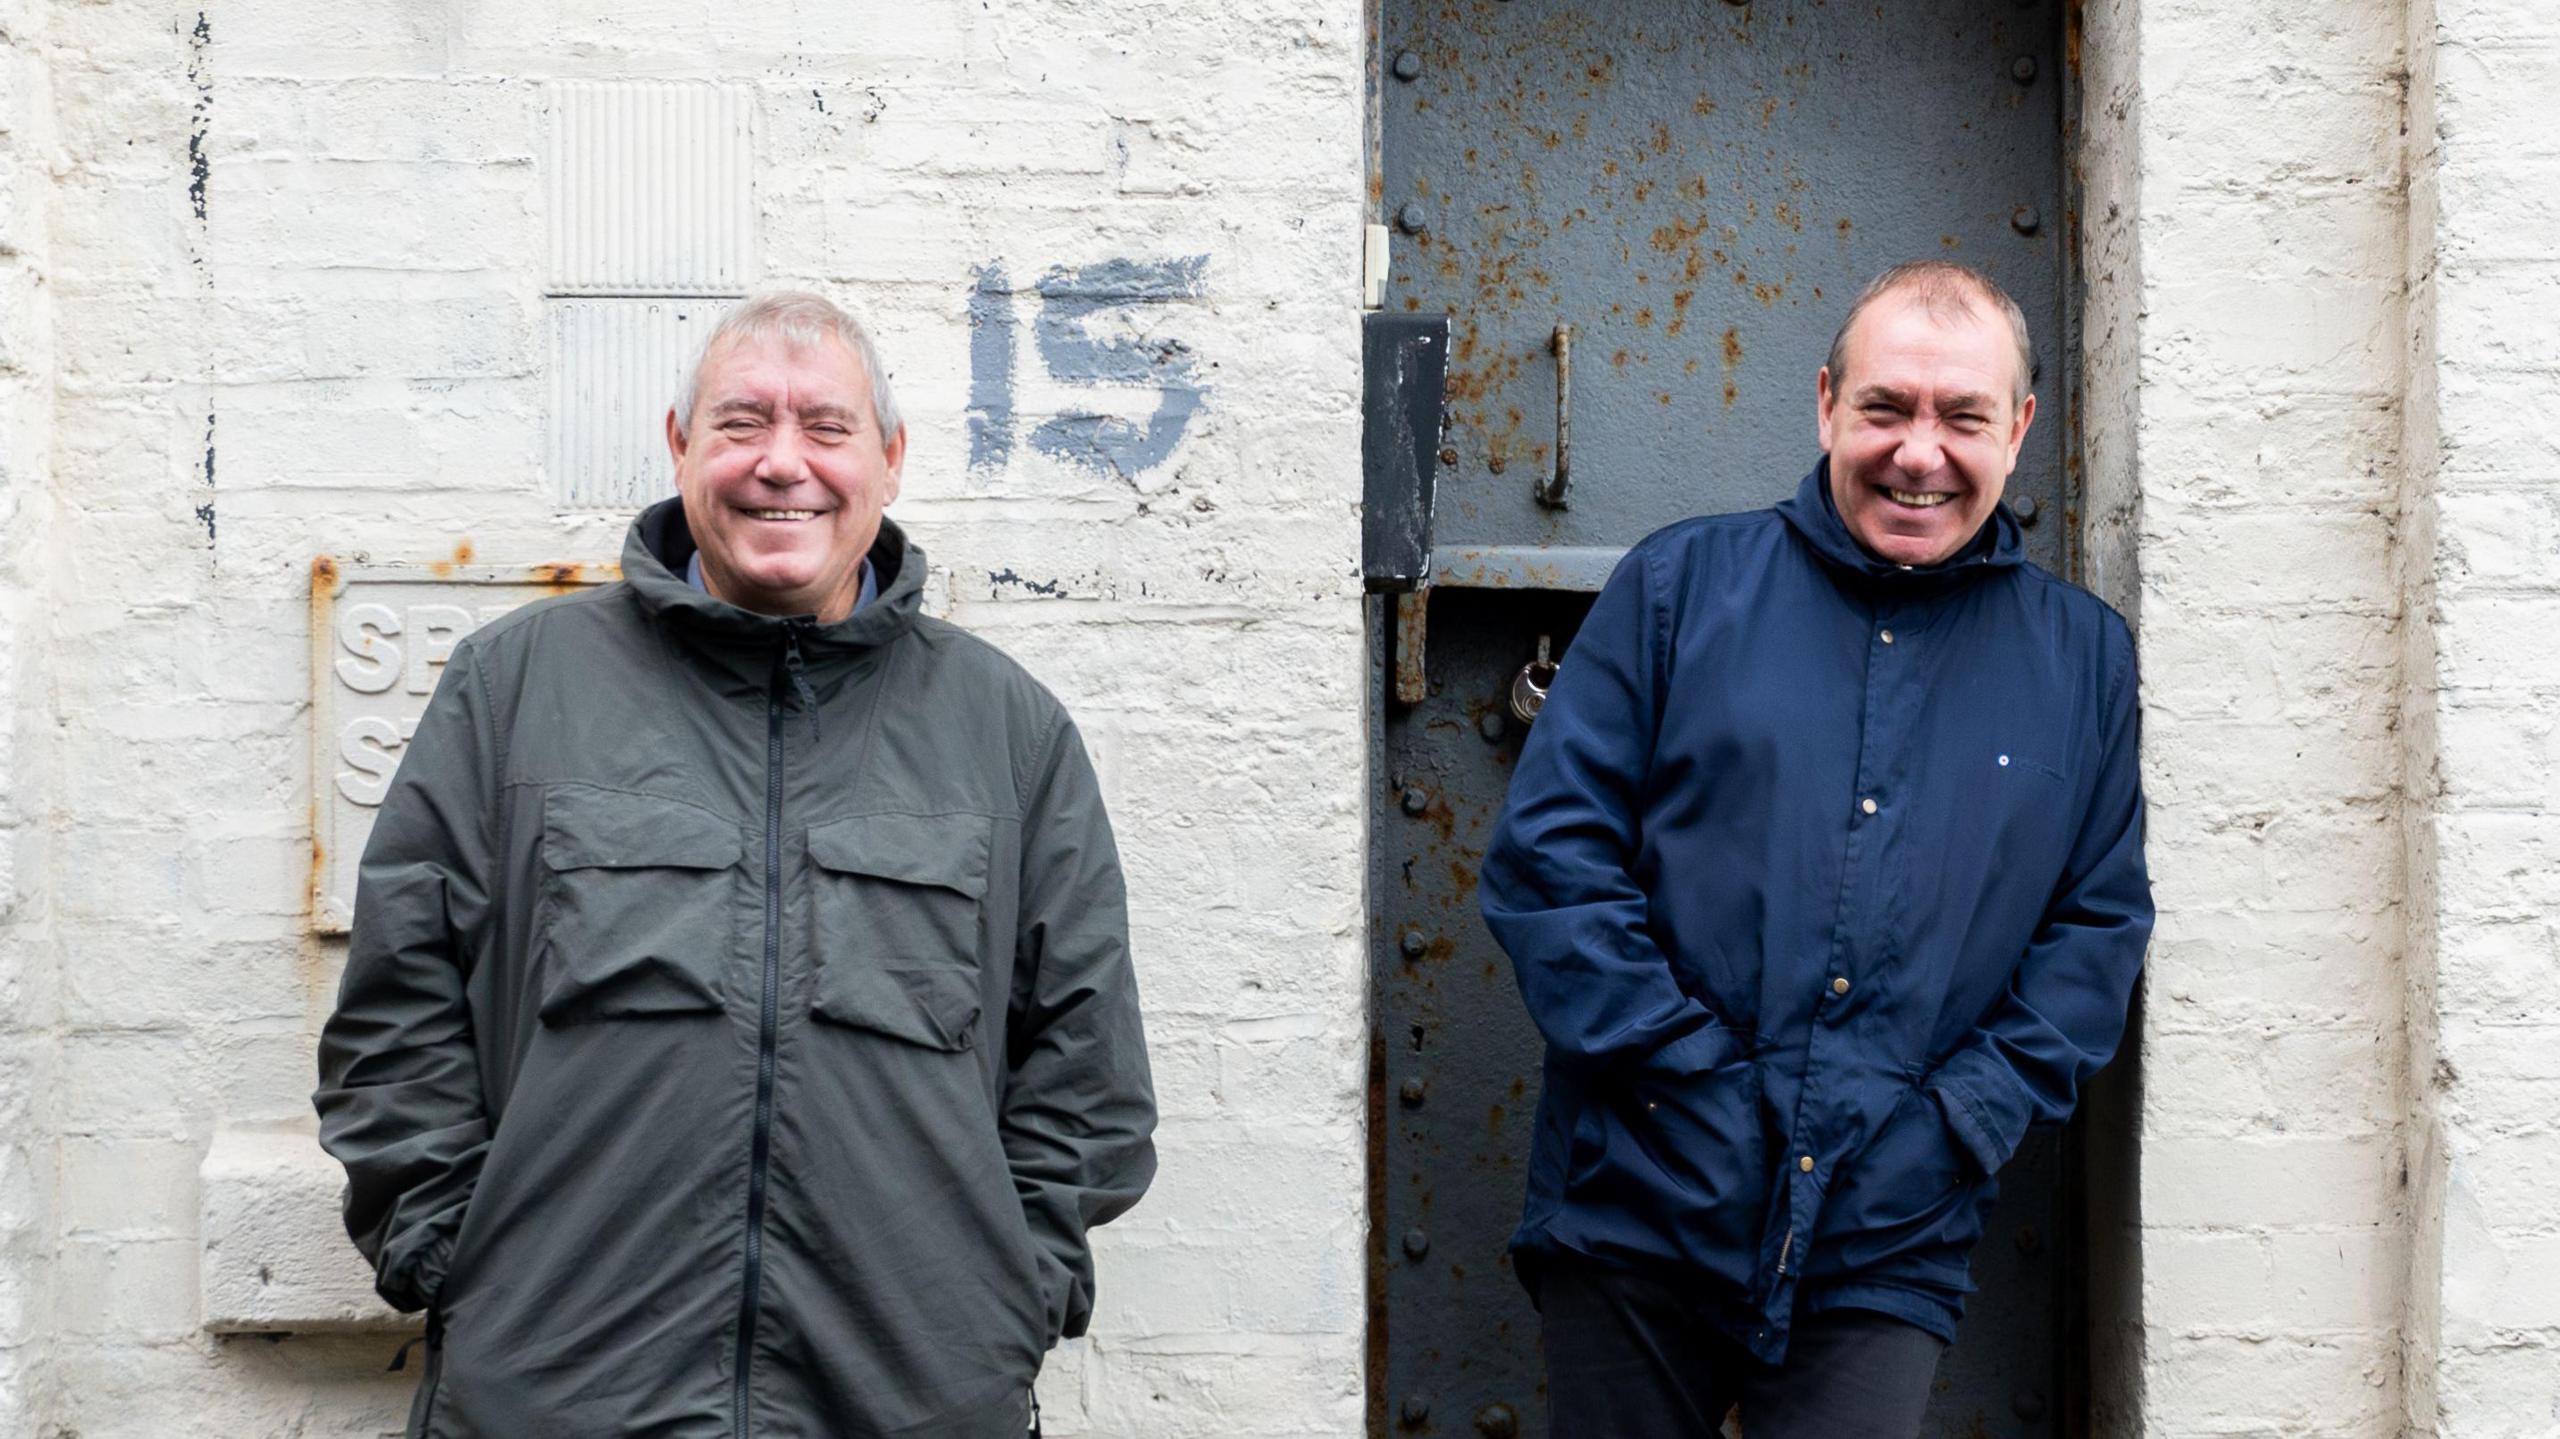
(1947, 290)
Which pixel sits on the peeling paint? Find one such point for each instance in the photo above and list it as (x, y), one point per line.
(1054, 589)
(199, 75)
(204, 512)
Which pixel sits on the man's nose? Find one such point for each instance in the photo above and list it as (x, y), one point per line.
(1921, 451)
(784, 459)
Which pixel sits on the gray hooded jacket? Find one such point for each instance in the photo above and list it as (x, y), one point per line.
(738, 1034)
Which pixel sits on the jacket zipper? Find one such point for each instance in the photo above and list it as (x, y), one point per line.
(435, 1369)
(750, 1296)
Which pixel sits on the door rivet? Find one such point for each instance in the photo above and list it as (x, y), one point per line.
(1408, 66)
(1416, 1409)
(2025, 220)
(2022, 69)
(1414, 944)
(1413, 1093)
(1411, 219)
(2027, 1404)
(1491, 726)
(2025, 507)
(1496, 1421)
(1448, 454)
(1415, 801)
(1416, 1244)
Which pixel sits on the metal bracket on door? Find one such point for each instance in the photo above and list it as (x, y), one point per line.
(1413, 637)
(1404, 377)
(1550, 490)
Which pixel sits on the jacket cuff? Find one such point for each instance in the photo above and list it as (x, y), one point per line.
(1711, 1046)
(410, 1279)
(1975, 1098)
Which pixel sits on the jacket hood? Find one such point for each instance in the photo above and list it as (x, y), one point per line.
(1999, 545)
(660, 546)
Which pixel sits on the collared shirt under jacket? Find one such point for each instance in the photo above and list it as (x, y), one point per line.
(1823, 880)
(738, 1034)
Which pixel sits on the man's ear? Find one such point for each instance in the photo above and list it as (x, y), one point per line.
(895, 452)
(2018, 431)
(675, 438)
(1822, 398)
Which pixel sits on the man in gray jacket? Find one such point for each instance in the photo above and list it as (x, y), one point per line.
(738, 1034)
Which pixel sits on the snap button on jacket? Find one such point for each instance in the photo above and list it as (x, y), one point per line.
(738, 1035)
(1822, 880)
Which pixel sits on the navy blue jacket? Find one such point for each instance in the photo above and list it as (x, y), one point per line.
(1823, 880)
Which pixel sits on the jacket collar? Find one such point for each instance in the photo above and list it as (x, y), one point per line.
(1999, 545)
(659, 546)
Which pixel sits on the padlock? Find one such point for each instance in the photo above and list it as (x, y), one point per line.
(1529, 687)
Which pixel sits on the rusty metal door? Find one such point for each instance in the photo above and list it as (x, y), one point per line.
(1688, 193)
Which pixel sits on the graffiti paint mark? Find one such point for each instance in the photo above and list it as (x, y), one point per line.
(990, 368)
(204, 512)
(200, 75)
(1054, 589)
(1071, 301)
(1093, 328)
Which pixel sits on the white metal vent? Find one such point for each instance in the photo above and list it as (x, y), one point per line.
(615, 365)
(651, 188)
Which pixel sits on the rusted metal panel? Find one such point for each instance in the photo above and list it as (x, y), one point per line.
(1699, 191)
(1457, 1060)
(1525, 567)
(380, 636)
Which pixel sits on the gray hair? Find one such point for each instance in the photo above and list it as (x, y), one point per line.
(1947, 291)
(797, 318)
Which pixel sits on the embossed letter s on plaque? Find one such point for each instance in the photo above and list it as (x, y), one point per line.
(380, 635)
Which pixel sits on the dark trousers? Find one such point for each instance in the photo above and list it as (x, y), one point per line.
(1630, 1358)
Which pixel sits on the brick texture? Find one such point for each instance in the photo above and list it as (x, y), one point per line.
(29, 1159)
(2485, 840)
(2245, 372)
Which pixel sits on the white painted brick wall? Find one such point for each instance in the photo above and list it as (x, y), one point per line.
(2245, 331)
(28, 1080)
(358, 311)
(2486, 836)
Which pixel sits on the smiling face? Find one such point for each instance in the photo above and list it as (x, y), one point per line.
(784, 475)
(1921, 426)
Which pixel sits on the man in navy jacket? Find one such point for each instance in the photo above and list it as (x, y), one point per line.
(1822, 876)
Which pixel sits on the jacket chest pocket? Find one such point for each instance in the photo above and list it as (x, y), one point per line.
(897, 910)
(639, 908)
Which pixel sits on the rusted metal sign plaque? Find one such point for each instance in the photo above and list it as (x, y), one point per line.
(380, 635)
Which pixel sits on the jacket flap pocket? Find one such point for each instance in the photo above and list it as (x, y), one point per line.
(937, 1008)
(945, 850)
(605, 829)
